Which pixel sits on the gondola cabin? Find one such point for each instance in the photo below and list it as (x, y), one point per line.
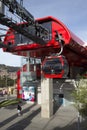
(55, 67)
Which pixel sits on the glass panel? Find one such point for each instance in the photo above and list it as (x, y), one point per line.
(48, 25)
(52, 66)
(20, 39)
(27, 77)
(65, 67)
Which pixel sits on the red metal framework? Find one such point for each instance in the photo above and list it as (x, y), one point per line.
(74, 49)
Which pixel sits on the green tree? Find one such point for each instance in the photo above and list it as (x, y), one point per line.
(80, 96)
(6, 81)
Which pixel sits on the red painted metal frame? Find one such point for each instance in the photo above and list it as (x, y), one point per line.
(74, 49)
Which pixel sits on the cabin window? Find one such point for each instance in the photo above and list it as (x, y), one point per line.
(52, 66)
(20, 39)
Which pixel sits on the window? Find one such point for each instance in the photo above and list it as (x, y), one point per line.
(20, 39)
(52, 66)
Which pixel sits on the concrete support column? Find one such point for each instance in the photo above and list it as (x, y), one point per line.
(46, 97)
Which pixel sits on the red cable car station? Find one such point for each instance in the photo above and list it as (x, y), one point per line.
(51, 50)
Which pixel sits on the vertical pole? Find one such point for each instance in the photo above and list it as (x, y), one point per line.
(78, 106)
(2, 8)
(78, 121)
(47, 97)
(6, 85)
(28, 63)
(21, 2)
(34, 65)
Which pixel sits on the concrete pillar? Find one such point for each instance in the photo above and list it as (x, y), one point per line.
(46, 97)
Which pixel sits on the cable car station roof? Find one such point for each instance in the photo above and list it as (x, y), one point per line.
(74, 49)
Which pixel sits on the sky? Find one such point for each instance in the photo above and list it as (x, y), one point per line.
(72, 13)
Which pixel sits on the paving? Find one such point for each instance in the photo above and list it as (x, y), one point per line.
(64, 118)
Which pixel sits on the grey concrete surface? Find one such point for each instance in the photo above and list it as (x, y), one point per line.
(65, 118)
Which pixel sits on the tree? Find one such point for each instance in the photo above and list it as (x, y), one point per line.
(6, 81)
(80, 96)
